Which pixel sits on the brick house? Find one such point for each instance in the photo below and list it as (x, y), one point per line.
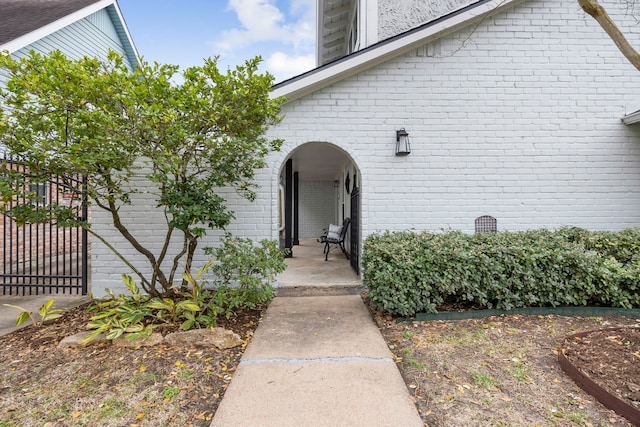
(513, 110)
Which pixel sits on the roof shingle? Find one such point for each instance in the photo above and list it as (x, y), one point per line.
(20, 17)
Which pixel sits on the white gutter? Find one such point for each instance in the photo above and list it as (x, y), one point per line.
(321, 77)
(631, 118)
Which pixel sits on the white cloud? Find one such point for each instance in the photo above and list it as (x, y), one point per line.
(283, 66)
(281, 31)
(262, 21)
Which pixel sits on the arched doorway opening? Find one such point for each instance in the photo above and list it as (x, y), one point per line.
(319, 184)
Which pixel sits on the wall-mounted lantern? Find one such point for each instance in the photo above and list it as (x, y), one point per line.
(403, 147)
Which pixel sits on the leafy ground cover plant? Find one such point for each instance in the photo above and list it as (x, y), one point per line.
(45, 312)
(242, 276)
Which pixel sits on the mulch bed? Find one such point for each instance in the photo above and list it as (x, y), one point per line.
(611, 359)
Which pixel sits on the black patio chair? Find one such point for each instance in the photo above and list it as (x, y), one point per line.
(336, 238)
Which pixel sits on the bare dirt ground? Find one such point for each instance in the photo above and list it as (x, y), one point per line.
(497, 371)
(101, 385)
(504, 371)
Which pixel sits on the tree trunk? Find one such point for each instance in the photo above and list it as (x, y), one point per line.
(593, 8)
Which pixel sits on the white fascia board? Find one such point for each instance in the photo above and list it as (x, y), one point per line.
(631, 118)
(319, 78)
(42, 32)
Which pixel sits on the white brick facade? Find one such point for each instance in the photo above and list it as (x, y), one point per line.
(318, 205)
(517, 117)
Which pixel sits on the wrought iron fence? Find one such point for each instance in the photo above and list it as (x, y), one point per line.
(43, 258)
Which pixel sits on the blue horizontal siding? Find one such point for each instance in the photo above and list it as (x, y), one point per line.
(92, 36)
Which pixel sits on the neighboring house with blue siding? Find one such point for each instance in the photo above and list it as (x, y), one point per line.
(77, 28)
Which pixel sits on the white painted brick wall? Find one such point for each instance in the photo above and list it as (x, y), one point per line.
(317, 204)
(519, 119)
(148, 225)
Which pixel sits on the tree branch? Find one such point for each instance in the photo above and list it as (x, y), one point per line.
(593, 8)
(119, 255)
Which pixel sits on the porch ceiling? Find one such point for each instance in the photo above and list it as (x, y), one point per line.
(318, 162)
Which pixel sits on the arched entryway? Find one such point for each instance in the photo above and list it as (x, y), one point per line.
(319, 185)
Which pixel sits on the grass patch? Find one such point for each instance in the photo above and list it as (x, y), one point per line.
(484, 381)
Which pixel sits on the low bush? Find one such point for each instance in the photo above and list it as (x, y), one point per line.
(410, 272)
(244, 273)
(242, 278)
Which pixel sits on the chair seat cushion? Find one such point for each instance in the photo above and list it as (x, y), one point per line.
(334, 232)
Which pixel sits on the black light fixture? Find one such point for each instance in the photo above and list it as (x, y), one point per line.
(403, 147)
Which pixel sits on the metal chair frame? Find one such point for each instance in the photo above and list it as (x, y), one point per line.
(328, 241)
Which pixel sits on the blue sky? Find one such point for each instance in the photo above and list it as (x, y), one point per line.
(183, 32)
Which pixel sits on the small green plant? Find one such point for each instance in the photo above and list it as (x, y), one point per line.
(113, 408)
(407, 334)
(45, 312)
(578, 417)
(186, 373)
(121, 314)
(520, 372)
(414, 363)
(484, 381)
(200, 297)
(174, 309)
(170, 392)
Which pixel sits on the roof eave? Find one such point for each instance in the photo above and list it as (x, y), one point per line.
(123, 32)
(348, 66)
(42, 32)
(631, 118)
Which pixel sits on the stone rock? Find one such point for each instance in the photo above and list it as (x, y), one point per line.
(154, 339)
(76, 340)
(219, 337)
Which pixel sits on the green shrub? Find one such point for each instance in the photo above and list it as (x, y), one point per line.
(244, 273)
(242, 278)
(410, 272)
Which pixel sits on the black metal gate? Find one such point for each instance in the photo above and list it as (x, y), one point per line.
(355, 230)
(42, 259)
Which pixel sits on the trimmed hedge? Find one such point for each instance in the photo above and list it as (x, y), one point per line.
(412, 272)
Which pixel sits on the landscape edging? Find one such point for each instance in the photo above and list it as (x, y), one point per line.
(583, 380)
(535, 311)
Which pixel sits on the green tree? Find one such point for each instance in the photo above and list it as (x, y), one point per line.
(110, 124)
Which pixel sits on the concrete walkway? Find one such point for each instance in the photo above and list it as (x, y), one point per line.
(32, 303)
(317, 361)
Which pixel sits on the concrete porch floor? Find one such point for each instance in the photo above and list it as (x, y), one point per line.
(309, 274)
